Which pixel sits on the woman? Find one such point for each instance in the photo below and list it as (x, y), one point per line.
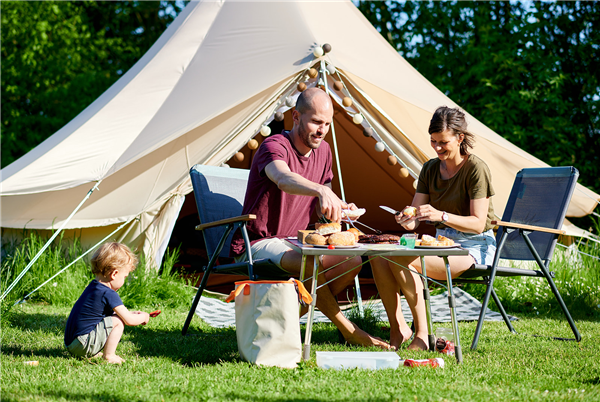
(453, 193)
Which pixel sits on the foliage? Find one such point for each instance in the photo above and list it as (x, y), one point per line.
(59, 56)
(527, 70)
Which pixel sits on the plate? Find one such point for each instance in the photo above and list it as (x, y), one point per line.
(383, 246)
(455, 245)
(336, 247)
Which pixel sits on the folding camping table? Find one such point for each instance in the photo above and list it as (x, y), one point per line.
(379, 250)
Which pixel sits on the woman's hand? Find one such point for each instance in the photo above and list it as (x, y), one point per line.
(428, 213)
(408, 222)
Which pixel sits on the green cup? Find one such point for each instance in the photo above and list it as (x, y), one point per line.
(408, 240)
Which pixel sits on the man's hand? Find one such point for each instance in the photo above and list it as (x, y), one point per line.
(331, 205)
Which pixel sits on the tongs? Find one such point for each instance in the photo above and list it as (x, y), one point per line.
(352, 224)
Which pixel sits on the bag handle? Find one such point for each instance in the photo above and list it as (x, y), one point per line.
(236, 292)
(303, 294)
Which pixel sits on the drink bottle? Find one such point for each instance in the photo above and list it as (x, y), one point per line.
(437, 362)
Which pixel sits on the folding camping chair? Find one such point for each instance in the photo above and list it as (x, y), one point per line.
(528, 231)
(219, 194)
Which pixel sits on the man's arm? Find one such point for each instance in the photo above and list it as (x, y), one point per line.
(292, 183)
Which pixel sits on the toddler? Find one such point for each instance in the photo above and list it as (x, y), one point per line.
(98, 317)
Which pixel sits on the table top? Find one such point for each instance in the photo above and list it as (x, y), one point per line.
(375, 249)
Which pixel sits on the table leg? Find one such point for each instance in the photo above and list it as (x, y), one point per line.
(302, 274)
(311, 310)
(427, 306)
(452, 305)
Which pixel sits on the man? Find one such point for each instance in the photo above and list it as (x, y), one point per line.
(290, 176)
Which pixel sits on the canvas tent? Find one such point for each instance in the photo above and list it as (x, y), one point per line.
(205, 88)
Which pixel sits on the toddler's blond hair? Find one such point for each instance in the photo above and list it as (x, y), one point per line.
(112, 256)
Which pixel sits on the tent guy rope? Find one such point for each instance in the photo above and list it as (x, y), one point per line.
(12, 285)
(77, 259)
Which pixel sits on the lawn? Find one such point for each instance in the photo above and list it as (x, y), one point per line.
(162, 365)
(205, 366)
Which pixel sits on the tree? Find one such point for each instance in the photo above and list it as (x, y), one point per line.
(529, 71)
(58, 57)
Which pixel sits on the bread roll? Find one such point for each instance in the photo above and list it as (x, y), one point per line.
(342, 239)
(356, 233)
(444, 241)
(427, 240)
(316, 239)
(353, 214)
(328, 228)
(410, 211)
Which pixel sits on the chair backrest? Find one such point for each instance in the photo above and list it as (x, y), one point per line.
(539, 197)
(219, 194)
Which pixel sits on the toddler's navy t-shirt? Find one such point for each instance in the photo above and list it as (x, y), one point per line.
(96, 302)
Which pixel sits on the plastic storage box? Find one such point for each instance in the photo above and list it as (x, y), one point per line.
(364, 360)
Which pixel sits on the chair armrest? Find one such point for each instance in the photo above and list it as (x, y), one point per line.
(528, 227)
(226, 221)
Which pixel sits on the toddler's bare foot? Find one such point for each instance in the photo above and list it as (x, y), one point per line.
(99, 354)
(114, 359)
(360, 337)
(419, 344)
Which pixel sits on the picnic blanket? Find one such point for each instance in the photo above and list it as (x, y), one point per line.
(219, 314)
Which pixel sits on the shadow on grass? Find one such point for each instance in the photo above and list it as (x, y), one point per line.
(37, 352)
(204, 345)
(38, 322)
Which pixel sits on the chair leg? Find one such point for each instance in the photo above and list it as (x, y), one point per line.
(503, 312)
(203, 283)
(544, 270)
(489, 290)
(563, 306)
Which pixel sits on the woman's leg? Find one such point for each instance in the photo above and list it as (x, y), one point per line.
(388, 287)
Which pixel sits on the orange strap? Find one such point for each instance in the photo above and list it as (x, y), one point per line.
(245, 286)
(303, 293)
(236, 292)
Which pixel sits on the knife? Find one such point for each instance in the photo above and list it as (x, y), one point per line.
(390, 210)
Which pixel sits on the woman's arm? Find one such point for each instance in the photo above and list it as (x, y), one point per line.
(474, 223)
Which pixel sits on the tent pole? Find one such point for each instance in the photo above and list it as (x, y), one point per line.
(74, 261)
(343, 193)
(49, 241)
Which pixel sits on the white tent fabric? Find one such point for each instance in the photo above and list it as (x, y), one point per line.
(200, 93)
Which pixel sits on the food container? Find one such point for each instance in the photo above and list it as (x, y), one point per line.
(408, 240)
(364, 360)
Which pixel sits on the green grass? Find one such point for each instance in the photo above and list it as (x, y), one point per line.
(205, 366)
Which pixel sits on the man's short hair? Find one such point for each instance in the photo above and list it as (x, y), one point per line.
(304, 101)
(112, 256)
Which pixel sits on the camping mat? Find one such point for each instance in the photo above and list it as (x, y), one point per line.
(219, 314)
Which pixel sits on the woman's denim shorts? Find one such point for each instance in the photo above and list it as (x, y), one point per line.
(481, 246)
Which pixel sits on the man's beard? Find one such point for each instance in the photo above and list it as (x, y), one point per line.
(305, 138)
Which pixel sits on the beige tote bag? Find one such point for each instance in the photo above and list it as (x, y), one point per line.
(267, 321)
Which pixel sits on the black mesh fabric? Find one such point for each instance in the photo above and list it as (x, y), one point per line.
(539, 197)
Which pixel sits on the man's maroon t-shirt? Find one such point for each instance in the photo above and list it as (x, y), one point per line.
(279, 214)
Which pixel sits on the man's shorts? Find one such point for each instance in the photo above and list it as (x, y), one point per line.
(89, 345)
(273, 248)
